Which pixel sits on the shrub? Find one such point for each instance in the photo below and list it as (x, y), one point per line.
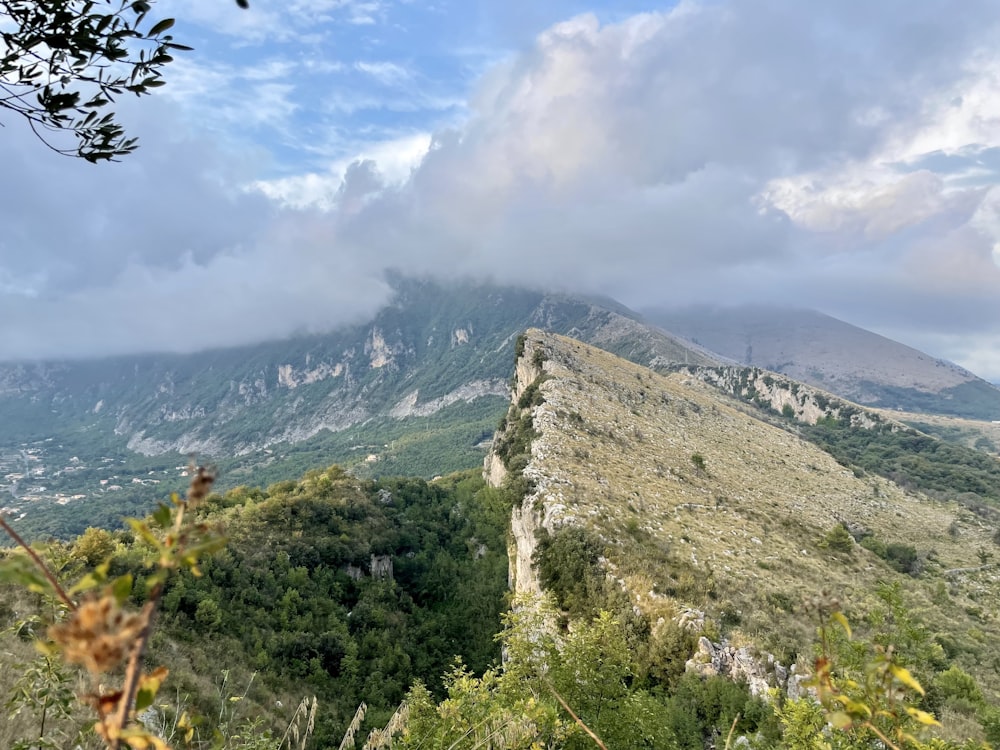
(568, 567)
(838, 539)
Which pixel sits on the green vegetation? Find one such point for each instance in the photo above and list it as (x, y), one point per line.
(347, 589)
(568, 567)
(838, 539)
(95, 53)
(453, 439)
(912, 460)
(592, 670)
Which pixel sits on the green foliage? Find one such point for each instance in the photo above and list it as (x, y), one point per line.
(539, 357)
(295, 589)
(93, 53)
(514, 438)
(532, 395)
(45, 692)
(913, 460)
(700, 711)
(91, 626)
(957, 690)
(698, 461)
(519, 344)
(902, 557)
(94, 546)
(591, 671)
(804, 725)
(838, 539)
(568, 567)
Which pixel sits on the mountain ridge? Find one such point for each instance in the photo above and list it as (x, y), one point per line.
(416, 390)
(823, 351)
(699, 505)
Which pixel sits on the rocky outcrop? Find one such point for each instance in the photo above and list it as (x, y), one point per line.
(788, 397)
(525, 522)
(290, 377)
(527, 518)
(409, 405)
(760, 673)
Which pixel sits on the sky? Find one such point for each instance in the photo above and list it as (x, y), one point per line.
(838, 156)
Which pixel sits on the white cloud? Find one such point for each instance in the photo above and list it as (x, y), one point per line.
(386, 73)
(275, 20)
(826, 155)
(393, 160)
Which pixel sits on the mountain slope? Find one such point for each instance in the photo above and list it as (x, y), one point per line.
(417, 390)
(700, 506)
(841, 358)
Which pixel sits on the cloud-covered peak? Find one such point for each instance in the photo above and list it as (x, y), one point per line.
(839, 156)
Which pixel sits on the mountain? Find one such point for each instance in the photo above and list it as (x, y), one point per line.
(417, 391)
(712, 507)
(691, 529)
(836, 356)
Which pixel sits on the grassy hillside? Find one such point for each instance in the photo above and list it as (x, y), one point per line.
(698, 504)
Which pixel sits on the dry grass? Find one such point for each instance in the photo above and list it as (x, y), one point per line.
(618, 452)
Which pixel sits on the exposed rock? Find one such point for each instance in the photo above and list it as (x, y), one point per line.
(379, 352)
(409, 405)
(289, 377)
(381, 566)
(739, 664)
(692, 620)
(494, 472)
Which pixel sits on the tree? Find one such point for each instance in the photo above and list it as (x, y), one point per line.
(63, 62)
(94, 546)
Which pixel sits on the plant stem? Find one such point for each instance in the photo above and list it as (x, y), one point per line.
(38, 562)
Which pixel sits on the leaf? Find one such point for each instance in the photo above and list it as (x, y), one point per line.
(149, 685)
(842, 620)
(839, 720)
(21, 571)
(145, 533)
(162, 515)
(157, 578)
(904, 676)
(121, 588)
(162, 26)
(923, 717)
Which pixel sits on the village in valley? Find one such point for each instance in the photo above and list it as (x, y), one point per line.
(43, 473)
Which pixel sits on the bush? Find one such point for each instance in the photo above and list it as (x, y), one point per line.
(838, 539)
(568, 567)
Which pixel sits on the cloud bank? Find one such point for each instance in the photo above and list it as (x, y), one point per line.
(843, 157)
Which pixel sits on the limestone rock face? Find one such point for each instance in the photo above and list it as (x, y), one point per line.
(741, 665)
(529, 516)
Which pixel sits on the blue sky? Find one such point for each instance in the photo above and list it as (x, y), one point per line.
(838, 156)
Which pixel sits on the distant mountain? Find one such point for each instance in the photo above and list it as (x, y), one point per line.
(417, 390)
(841, 358)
